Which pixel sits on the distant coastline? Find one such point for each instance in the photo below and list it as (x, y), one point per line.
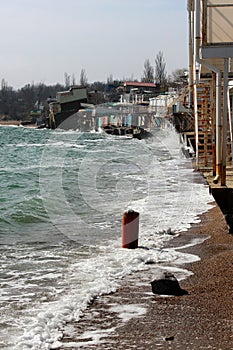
(9, 122)
(15, 123)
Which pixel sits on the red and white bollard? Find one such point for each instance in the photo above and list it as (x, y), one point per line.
(130, 229)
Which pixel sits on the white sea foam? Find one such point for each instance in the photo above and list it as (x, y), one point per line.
(127, 312)
(92, 277)
(9, 126)
(52, 144)
(95, 336)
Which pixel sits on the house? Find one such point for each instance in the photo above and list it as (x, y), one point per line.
(138, 92)
(141, 87)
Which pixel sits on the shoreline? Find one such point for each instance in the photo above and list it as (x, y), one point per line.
(9, 122)
(134, 318)
(16, 123)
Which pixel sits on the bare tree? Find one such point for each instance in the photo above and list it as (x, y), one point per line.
(83, 77)
(110, 79)
(4, 85)
(73, 79)
(148, 73)
(179, 75)
(67, 80)
(160, 69)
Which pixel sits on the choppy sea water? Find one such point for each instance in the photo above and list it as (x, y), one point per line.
(63, 194)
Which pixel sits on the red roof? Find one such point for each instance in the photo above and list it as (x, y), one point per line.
(139, 84)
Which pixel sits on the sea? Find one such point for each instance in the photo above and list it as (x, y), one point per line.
(63, 194)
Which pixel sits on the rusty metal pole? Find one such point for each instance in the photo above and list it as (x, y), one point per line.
(225, 118)
(218, 129)
(191, 52)
(213, 112)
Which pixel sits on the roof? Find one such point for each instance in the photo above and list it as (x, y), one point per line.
(139, 84)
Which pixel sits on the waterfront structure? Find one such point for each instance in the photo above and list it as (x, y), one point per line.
(210, 70)
(66, 104)
(162, 105)
(138, 92)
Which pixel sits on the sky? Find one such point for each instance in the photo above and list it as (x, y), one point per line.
(41, 40)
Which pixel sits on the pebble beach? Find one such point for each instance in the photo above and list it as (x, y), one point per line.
(135, 318)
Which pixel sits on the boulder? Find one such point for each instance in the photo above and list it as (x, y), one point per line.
(167, 284)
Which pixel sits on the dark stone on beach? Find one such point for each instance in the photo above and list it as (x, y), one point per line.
(167, 284)
(170, 338)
